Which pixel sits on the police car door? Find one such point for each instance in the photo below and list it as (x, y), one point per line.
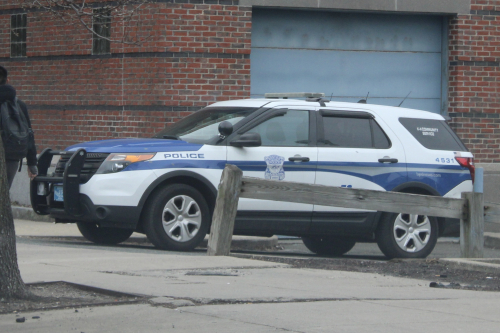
(355, 150)
(287, 154)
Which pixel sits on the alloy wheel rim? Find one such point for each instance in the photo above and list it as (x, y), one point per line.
(181, 218)
(412, 232)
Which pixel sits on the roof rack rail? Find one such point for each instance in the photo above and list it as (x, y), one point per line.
(320, 100)
(294, 95)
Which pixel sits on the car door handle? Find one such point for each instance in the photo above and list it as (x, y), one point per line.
(388, 160)
(298, 159)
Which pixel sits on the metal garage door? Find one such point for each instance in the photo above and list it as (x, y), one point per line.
(348, 55)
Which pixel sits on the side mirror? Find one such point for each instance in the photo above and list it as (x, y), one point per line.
(247, 140)
(225, 128)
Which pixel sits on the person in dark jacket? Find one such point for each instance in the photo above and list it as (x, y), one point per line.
(7, 92)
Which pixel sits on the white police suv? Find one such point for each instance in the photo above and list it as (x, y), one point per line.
(166, 186)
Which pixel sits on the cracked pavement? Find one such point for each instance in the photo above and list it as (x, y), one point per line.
(190, 292)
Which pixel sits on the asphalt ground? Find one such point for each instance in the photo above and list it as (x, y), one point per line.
(445, 248)
(68, 235)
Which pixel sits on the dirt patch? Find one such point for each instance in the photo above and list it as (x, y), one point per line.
(63, 295)
(438, 274)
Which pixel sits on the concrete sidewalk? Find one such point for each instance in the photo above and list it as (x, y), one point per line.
(70, 230)
(235, 294)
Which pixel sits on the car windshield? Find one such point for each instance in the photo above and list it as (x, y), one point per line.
(203, 126)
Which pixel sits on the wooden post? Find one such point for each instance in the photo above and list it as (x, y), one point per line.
(472, 227)
(221, 233)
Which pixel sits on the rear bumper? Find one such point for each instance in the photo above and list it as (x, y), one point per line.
(451, 227)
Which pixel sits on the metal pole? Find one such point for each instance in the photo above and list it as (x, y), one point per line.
(479, 180)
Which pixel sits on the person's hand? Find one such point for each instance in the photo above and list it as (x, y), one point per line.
(32, 171)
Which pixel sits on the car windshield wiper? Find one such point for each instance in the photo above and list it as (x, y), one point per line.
(171, 137)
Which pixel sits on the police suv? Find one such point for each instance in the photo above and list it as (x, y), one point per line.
(166, 186)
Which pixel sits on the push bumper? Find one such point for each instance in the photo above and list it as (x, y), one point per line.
(75, 205)
(42, 187)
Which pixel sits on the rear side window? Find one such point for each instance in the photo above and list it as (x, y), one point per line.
(347, 132)
(433, 134)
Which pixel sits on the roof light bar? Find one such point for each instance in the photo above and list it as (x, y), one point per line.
(294, 95)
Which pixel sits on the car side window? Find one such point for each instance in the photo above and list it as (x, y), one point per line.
(288, 130)
(380, 139)
(346, 132)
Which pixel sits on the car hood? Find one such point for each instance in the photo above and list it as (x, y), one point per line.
(135, 146)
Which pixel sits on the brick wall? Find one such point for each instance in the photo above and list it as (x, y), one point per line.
(474, 86)
(4, 36)
(196, 53)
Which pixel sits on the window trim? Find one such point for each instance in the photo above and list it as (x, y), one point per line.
(262, 118)
(22, 42)
(271, 113)
(97, 40)
(348, 114)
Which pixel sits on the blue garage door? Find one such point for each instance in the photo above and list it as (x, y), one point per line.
(348, 55)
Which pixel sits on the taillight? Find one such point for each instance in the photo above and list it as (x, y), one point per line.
(467, 162)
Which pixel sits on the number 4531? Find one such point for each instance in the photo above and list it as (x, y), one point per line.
(444, 160)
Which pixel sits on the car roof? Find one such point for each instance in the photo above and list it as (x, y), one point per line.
(382, 110)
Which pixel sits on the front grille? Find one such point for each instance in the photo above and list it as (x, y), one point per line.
(92, 162)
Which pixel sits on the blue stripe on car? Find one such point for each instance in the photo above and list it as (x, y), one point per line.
(177, 164)
(441, 177)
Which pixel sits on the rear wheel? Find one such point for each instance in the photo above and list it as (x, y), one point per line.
(176, 218)
(108, 236)
(407, 235)
(329, 246)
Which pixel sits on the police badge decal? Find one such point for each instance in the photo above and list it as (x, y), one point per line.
(274, 170)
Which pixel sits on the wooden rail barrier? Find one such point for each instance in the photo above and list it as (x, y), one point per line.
(491, 212)
(469, 209)
(221, 233)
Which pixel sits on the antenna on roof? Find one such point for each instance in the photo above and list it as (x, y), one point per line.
(404, 99)
(331, 96)
(364, 101)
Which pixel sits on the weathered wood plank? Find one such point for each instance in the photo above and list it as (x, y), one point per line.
(491, 212)
(472, 227)
(221, 233)
(257, 188)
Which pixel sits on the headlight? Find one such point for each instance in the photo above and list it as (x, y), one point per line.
(118, 162)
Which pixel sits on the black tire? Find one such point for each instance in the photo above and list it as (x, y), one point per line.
(106, 236)
(164, 208)
(413, 243)
(328, 246)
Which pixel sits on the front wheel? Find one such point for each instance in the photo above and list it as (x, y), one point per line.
(406, 235)
(328, 246)
(176, 218)
(106, 236)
